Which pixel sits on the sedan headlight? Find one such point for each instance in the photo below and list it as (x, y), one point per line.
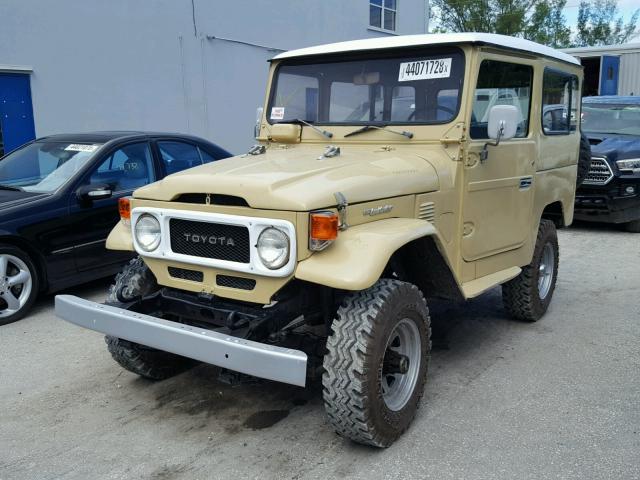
(273, 248)
(147, 232)
(629, 165)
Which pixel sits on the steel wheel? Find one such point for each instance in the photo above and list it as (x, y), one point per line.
(546, 271)
(401, 364)
(16, 284)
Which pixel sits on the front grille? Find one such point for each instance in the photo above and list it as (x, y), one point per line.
(210, 240)
(599, 173)
(235, 282)
(185, 274)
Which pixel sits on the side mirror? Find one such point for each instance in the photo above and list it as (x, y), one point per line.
(502, 125)
(503, 122)
(256, 127)
(94, 192)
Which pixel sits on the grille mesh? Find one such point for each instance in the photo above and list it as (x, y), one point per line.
(235, 282)
(210, 240)
(599, 173)
(185, 274)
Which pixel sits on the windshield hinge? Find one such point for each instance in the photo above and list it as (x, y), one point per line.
(342, 210)
(456, 135)
(256, 150)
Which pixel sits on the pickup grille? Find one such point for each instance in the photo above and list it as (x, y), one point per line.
(210, 240)
(599, 173)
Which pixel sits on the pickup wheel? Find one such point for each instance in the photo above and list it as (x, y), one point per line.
(527, 296)
(376, 362)
(136, 281)
(584, 159)
(633, 226)
(18, 284)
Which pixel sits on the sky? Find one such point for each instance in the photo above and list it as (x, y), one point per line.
(625, 8)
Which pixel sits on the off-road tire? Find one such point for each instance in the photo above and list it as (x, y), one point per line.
(133, 282)
(521, 296)
(633, 226)
(584, 159)
(35, 284)
(355, 351)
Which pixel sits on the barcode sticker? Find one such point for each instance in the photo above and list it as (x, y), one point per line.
(424, 70)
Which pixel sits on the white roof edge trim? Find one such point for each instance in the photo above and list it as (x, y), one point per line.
(15, 68)
(503, 41)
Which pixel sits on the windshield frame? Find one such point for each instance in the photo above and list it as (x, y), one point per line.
(409, 52)
(80, 173)
(606, 106)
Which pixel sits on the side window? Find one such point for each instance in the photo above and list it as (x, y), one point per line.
(501, 83)
(206, 157)
(403, 104)
(344, 96)
(559, 103)
(126, 169)
(178, 156)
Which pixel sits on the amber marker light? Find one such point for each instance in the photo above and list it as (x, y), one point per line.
(323, 229)
(124, 207)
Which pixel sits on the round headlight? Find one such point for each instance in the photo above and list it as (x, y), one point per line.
(147, 231)
(273, 248)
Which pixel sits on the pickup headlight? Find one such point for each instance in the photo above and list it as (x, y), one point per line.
(629, 165)
(273, 248)
(147, 232)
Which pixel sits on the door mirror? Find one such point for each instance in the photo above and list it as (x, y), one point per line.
(256, 127)
(94, 192)
(503, 122)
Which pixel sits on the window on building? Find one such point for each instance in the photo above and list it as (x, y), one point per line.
(382, 14)
(559, 103)
(501, 83)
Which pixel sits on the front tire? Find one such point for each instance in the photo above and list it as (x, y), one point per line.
(376, 362)
(633, 226)
(19, 284)
(528, 296)
(136, 281)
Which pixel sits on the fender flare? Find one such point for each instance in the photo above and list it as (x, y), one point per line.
(358, 257)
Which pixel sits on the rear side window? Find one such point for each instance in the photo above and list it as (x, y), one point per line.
(560, 101)
(178, 156)
(501, 83)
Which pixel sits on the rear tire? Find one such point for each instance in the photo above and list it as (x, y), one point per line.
(19, 285)
(380, 336)
(528, 296)
(584, 159)
(134, 282)
(633, 226)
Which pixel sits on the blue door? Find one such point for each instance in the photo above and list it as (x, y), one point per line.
(609, 70)
(16, 111)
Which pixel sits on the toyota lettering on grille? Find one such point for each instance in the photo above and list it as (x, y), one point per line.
(210, 239)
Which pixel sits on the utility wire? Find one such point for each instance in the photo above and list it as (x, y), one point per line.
(242, 42)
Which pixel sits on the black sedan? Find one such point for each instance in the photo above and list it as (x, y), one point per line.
(58, 203)
(611, 191)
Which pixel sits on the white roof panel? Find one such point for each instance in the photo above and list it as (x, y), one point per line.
(430, 39)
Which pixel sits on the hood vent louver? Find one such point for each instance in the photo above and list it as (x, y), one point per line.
(427, 211)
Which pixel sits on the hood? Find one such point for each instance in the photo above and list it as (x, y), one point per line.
(295, 179)
(617, 147)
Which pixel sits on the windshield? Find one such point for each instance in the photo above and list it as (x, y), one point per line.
(43, 167)
(420, 88)
(620, 119)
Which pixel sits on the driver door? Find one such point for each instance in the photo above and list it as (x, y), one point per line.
(498, 194)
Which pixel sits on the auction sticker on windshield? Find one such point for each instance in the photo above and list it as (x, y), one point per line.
(277, 113)
(425, 69)
(77, 147)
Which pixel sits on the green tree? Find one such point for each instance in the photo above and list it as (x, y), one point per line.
(598, 25)
(539, 20)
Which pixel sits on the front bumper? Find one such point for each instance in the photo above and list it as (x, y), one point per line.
(244, 356)
(603, 207)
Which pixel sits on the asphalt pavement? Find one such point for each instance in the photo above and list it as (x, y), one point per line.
(558, 399)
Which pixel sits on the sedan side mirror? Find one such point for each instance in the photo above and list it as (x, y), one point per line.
(502, 125)
(94, 192)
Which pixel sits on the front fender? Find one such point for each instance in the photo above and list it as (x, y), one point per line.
(358, 257)
(120, 238)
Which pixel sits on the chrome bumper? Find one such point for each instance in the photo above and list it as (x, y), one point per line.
(245, 356)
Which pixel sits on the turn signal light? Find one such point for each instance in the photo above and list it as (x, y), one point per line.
(124, 207)
(323, 229)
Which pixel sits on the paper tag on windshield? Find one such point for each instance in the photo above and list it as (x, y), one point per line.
(277, 113)
(425, 69)
(77, 147)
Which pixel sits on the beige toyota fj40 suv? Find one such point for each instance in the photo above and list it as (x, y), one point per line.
(387, 171)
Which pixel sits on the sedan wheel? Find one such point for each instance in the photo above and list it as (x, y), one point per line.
(17, 285)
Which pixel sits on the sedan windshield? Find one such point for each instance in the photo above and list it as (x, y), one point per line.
(616, 119)
(43, 167)
(415, 88)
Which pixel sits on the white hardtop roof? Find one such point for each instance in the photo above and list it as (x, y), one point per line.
(430, 39)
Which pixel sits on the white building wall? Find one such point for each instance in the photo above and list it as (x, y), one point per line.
(629, 80)
(147, 65)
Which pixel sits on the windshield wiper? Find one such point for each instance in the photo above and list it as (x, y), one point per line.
(304, 122)
(13, 189)
(366, 128)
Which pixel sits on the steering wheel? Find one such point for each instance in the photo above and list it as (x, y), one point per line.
(440, 107)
